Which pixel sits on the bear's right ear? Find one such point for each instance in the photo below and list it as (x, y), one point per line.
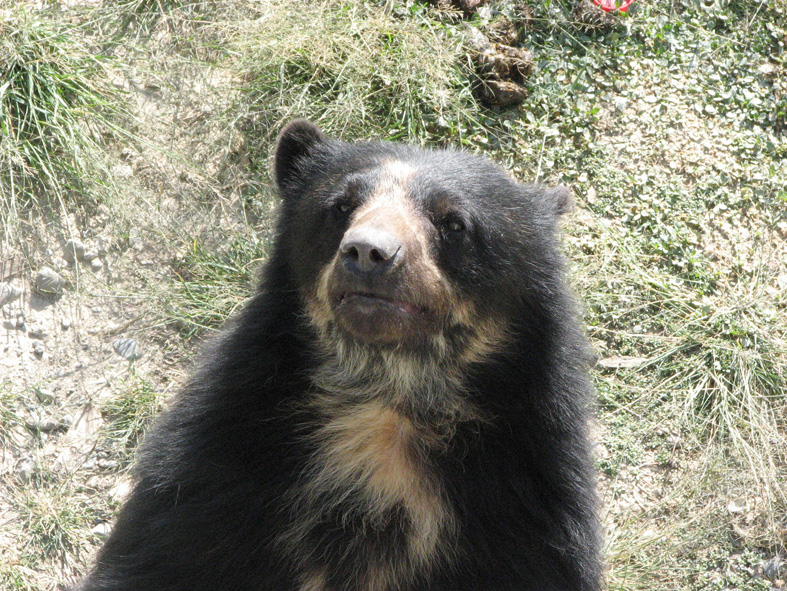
(296, 140)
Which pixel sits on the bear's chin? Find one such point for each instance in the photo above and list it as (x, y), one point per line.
(378, 320)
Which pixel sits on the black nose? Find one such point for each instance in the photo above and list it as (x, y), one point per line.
(367, 249)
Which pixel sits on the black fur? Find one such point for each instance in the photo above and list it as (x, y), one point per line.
(215, 474)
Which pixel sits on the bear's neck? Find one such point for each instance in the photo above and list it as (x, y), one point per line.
(378, 419)
(427, 389)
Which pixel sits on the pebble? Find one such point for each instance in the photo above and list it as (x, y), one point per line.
(38, 348)
(91, 255)
(108, 464)
(772, 568)
(37, 333)
(44, 396)
(8, 293)
(59, 263)
(621, 104)
(46, 425)
(126, 348)
(101, 246)
(102, 530)
(65, 323)
(49, 282)
(96, 265)
(25, 469)
(74, 250)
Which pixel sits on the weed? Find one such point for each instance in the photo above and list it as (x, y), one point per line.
(129, 413)
(54, 107)
(53, 523)
(357, 70)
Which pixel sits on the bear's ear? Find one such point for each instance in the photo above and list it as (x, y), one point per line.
(560, 198)
(296, 140)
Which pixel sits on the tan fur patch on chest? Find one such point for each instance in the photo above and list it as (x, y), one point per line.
(377, 456)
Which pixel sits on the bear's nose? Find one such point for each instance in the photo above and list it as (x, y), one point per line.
(367, 249)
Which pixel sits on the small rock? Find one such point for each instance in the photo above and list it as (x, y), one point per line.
(65, 323)
(8, 293)
(90, 255)
(767, 69)
(101, 246)
(126, 348)
(46, 425)
(59, 263)
(102, 530)
(121, 490)
(96, 265)
(20, 323)
(108, 464)
(74, 250)
(38, 348)
(25, 469)
(44, 396)
(37, 333)
(49, 282)
(621, 103)
(122, 171)
(772, 568)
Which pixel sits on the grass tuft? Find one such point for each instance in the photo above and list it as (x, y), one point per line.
(356, 69)
(129, 414)
(54, 107)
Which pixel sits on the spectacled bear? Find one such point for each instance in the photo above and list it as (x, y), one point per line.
(402, 406)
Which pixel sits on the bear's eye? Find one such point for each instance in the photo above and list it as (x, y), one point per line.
(453, 226)
(343, 207)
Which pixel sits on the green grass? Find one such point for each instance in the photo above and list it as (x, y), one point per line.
(55, 108)
(357, 70)
(212, 282)
(127, 415)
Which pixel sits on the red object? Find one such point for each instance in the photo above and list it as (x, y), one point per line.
(611, 5)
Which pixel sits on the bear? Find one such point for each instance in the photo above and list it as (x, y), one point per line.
(403, 405)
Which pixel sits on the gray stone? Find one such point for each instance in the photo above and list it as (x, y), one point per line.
(74, 250)
(102, 530)
(25, 469)
(91, 254)
(126, 348)
(37, 333)
(8, 293)
(44, 396)
(772, 568)
(49, 282)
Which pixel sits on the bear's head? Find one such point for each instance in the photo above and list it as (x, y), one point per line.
(428, 252)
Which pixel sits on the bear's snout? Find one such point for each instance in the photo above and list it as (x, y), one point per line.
(369, 250)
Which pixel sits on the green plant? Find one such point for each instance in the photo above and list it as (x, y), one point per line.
(55, 105)
(129, 413)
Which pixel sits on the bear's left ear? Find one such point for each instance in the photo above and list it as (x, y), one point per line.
(561, 199)
(296, 141)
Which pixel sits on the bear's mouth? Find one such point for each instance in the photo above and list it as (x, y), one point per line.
(379, 319)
